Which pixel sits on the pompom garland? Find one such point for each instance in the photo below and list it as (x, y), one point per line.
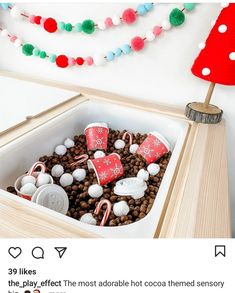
(176, 17)
(50, 25)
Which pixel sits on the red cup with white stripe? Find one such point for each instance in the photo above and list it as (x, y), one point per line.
(107, 169)
(153, 147)
(97, 136)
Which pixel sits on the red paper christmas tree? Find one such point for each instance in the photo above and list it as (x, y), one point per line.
(215, 63)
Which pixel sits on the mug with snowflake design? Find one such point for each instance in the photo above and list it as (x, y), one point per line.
(153, 147)
(96, 136)
(107, 169)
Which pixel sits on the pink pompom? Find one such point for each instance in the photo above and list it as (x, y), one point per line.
(32, 18)
(129, 16)
(71, 61)
(157, 30)
(108, 22)
(13, 38)
(42, 21)
(89, 60)
(137, 43)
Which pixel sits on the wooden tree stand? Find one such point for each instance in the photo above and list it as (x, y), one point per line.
(204, 112)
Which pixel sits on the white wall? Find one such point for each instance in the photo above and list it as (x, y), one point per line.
(160, 73)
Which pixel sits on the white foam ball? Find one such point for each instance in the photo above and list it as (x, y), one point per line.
(143, 174)
(121, 208)
(69, 143)
(232, 56)
(119, 144)
(28, 188)
(150, 36)
(88, 219)
(166, 25)
(99, 59)
(28, 179)
(4, 33)
(66, 179)
(224, 4)
(201, 46)
(206, 71)
(99, 154)
(16, 12)
(116, 20)
(42, 179)
(133, 148)
(57, 171)
(222, 28)
(153, 169)
(101, 25)
(95, 190)
(61, 150)
(79, 174)
(17, 43)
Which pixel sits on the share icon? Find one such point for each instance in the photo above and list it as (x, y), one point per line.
(61, 251)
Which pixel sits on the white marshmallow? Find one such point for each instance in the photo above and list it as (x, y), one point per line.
(16, 12)
(101, 25)
(95, 190)
(69, 143)
(133, 148)
(79, 174)
(66, 179)
(153, 169)
(4, 33)
(116, 20)
(119, 144)
(17, 43)
(88, 219)
(121, 208)
(42, 179)
(150, 36)
(28, 188)
(166, 25)
(99, 59)
(99, 154)
(57, 171)
(28, 179)
(143, 174)
(61, 150)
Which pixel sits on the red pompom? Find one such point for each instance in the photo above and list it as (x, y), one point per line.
(137, 43)
(50, 25)
(80, 61)
(37, 19)
(129, 16)
(62, 61)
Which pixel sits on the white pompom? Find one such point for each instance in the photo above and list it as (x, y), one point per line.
(150, 36)
(28, 188)
(121, 208)
(99, 154)
(119, 144)
(57, 171)
(69, 143)
(133, 148)
(88, 219)
(42, 179)
(201, 46)
(61, 150)
(28, 179)
(4, 33)
(79, 174)
(95, 190)
(116, 20)
(224, 4)
(166, 25)
(17, 43)
(143, 174)
(66, 179)
(101, 25)
(99, 59)
(16, 12)
(153, 169)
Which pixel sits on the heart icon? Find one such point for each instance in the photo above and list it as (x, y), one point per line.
(15, 251)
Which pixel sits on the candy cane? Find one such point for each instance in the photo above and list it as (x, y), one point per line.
(80, 159)
(107, 211)
(34, 167)
(130, 136)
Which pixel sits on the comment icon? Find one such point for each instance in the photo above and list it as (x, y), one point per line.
(38, 252)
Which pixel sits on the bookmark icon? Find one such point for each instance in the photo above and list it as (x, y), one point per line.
(61, 251)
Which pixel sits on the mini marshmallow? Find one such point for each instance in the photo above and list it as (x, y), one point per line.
(121, 208)
(42, 179)
(99, 154)
(153, 169)
(66, 179)
(28, 179)
(143, 174)
(95, 190)
(133, 148)
(28, 188)
(79, 174)
(57, 171)
(88, 219)
(16, 12)
(61, 150)
(119, 144)
(69, 143)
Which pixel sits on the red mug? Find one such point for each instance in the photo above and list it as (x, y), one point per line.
(97, 136)
(153, 147)
(107, 169)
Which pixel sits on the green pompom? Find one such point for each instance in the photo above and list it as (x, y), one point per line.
(68, 27)
(78, 27)
(176, 17)
(36, 52)
(43, 54)
(61, 25)
(88, 26)
(27, 49)
(52, 58)
(189, 6)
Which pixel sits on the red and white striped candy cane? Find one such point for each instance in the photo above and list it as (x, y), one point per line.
(80, 159)
(34, 167)
(130, 136)
(107, 211)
